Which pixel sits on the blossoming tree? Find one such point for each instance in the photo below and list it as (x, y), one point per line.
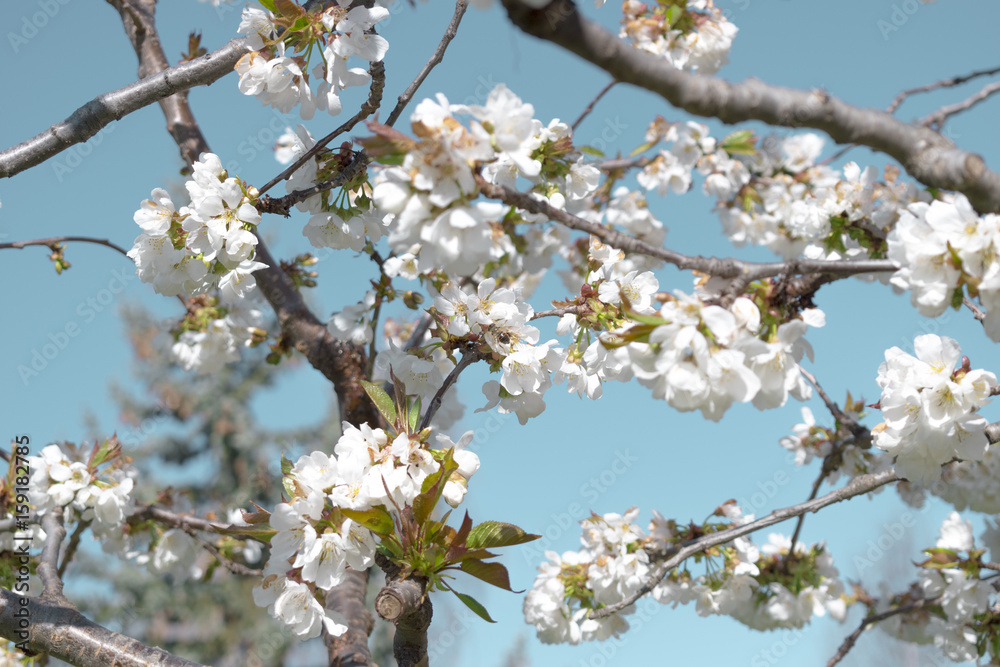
(463, 210)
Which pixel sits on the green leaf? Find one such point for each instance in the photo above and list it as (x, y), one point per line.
(673, 15)
(299, 24)
(262, 533)
(375, 519)
(491, 573)
(957, 297)
(381, 400)
(456, 548)
(590, 150)
(491, 534)
(390, 549)
(286, 465)
(269, 4)
(643, 148)
(472, 604)
(414, 414)
(741, 142)
(655, 320)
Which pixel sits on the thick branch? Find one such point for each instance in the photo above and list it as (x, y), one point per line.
(342, 363)
(405, 603)
(857, 486)
(63, 632)
(925, 154)
(349, 600)
(48, 564)
(88, 120)
(138, 18)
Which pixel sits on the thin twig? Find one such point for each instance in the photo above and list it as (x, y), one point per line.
(977, 312)
(836, 156)
(419, 329)
(787, 561)
(590, 107)
(50, 242)
(557, 312)
(944, 83)
(852, 638)
(675, 556)
(832, 406)
(186, 522)
(937, 119)
(370, 106)
(48, 564)
(231, 565)
(468, 357)
(623, 163)
(282, 205)
(724, 268)
(74, 542)
(436, 58)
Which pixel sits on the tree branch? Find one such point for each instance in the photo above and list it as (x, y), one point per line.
(51, 241)
(349, 600)
(937, 119)
(590, 107)
(724, 268)
(436, 57)
(468, 358)
(63, 632)
(676, 556)
(74, 542)
(88, 120)
(943, 83)
(48, 564)
(371, 105)
(340, 362)
(405, 603)
(283, 205)
(926, 155)
(871, 620)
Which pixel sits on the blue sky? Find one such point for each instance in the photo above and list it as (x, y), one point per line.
(628, 450)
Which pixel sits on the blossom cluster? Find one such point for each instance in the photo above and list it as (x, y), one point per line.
(956, 617)
(618, 557)
(706, 357)
(931, 407)
(943, 245)
(315, 542)
(430, 195)
(695, 37)
(973, 485)
(774, 193)
(210, 335)
(209, 244)
(104, 497)
(283, 81)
